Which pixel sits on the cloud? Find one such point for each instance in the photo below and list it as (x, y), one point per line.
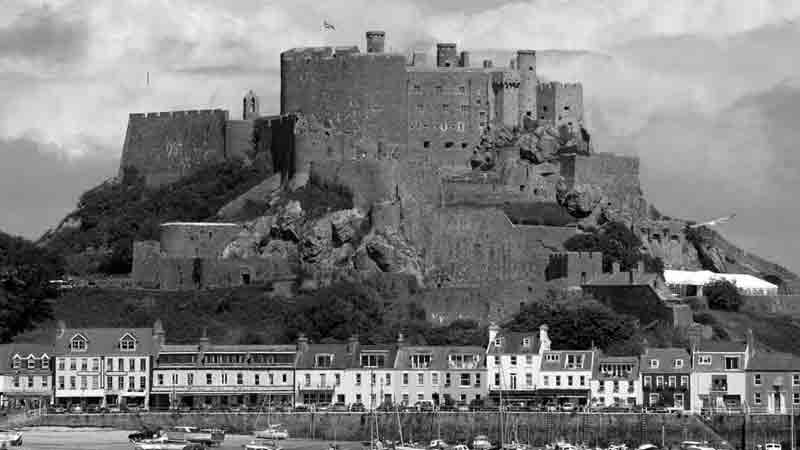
(45, 36)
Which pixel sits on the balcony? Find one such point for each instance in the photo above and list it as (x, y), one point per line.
(316, 387)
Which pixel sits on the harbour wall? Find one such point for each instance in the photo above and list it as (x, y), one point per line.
(537, 428)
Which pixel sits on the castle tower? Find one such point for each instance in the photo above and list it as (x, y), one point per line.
(375, 41)
(464, 59)
(420, 59)
(446, 55)
(250, 106)
(526, 65)
(560, 103)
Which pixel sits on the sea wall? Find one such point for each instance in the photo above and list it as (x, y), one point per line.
(538, 428)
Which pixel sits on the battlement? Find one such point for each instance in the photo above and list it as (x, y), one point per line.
(173, 114)
(576, 267)
(553, 85)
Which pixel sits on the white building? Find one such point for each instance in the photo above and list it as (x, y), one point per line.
(513, 362)
(690, 283)
(565, 376)
(221, 376)
(104, 366)
(320, 370)
(616, 382)
(26, 379)
(718, 378)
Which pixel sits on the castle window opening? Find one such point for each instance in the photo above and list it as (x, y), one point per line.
(426, 144)
(522, 188)
(420, 107)
(460, 126)
(528, 113)
(463, 145)
(464, 108)
(462, 90)
(566, 108)
(544, 108)
(448, 144)
(445, 107)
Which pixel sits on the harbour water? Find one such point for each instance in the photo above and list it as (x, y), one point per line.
(51, 438)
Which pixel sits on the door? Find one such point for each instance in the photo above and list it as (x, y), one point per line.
(513, 383)
(777, 402)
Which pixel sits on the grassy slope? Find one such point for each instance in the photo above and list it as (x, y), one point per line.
(774, 331)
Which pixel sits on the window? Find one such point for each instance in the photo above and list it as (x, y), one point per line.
(464, 108)
(420, 360)
(653, 399)
(95, 364)
(795, 397)
(110, 382)
(239, 378)
(526, 342)
(448, 144)
(283, 378)
(647, 381)
(30, 382)
(462, 90)
(426, 144)
(464, 379)
(529, 359)
(84, 382)
(546, 380)
(445, 107)
(678, 364)
(127, 344)
(142, 383)
(478, 379)
(684, 380)
(569, 380)
(420, 107)
(95, 381)
(615, 386)
(497, 379)
(72, 382)
(131, 384)
(120, 364)
(84, 364)
(337, 379)
(308, 379)
(731, 363)
(388, 379)
(159, 378)
(583, 380)
(110, 364)
(574, 361)
(497, 360)
(558, 380)
(16, 381)
(757, 379)
(435, 379)
(31, 362)
(372, 379)
(795, 379)
(208, 378)
(529, 379)
(757, 398)
(552, 357)
(513, 360)
(61, 382)
(358, 379)
(704, 360)
(60, 363)
(143, 365)
(78, 344)
(420, 379)
(73, 362)
(44, 381)
(405, 379)
(654, 364)
(325, 360)
(659, 382)
(132, 365)
(373, 360)
(175, 379)
(671, 381)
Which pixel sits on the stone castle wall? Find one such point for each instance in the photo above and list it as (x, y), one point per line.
(617, 176)
(561, 103)
(146, 257)
(204, 273)
(197, 240)
(238, 139)
(167, 146)
(575, 268)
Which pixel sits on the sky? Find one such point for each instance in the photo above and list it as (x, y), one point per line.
(706, 93)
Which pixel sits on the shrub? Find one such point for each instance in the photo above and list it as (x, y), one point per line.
(722, 294)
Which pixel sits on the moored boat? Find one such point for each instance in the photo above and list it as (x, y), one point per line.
(164, 443)
(262, 444)
(274, 431)
(190, 434)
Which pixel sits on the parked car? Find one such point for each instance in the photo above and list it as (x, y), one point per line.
(76, 409)
(357, 407)
(13, 437)
(408, 408)
(462, 407)
(237, 408)
(516, 406)
(447, 407)
(568, 407)
(301, 408)
(322, 407)
(339, 407)
(385, 407)
(424, 406)
(93, 409)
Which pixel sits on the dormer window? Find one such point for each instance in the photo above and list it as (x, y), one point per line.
(45, 362)
(654, 364)
(78, 343)
(17, 362)
(678, 364)
(498, 342)
(526, 342)
(552, 357)
(31, 362)
(323, 360)
(127, 343)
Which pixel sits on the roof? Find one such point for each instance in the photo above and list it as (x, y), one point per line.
(225, 348)
(7, 351)
(633, 360)
(721, 347)
(561, 364)
(342, 359)
(703, 277)
(513, 342)
(439, 355)
(623, 279)
(201, 224)
(665, 356)
(774, 362)
(105, 341)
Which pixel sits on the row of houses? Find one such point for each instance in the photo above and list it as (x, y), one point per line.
(136, 367)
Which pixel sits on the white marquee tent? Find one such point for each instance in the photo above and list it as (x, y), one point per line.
(678, 280)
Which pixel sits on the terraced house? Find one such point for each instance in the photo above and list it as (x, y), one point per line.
(615, 382)
(320, 369)
(206, 375)
(104, 366)
(565, 377)
(440, 374)
(719, 381)
(666, 378)
(773, 383)
(26, 379)
(513, 362)
(369, 378)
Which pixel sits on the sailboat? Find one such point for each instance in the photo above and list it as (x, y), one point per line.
(273, 430)
(403, 445)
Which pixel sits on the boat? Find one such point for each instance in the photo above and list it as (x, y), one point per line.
(274, 431)
(459, 447)
(11, 437)
(164, 443)
(190, 434)
(262, 444)
(695, 445)
(217, 435)
(647, 447)
(438, 444)
(481, 442)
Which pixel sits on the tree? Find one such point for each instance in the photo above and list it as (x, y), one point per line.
(340, 311)
(722, 294)
(618, 243)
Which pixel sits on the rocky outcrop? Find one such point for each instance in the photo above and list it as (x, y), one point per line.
(262, 194)
(581, 200)
(388, 251)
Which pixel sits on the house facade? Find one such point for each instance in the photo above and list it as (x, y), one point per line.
(565, 377)
(666, 378)
(440, 374)
(616, 382)
(719, 379)
(513, 362)
(104, 366)
(26, 375)
(370, 378)
(320, 371)
(219, 376)
(773, 383)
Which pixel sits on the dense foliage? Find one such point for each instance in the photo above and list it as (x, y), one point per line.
(574, 322)
(618, 244)
(25, 272)
(722, 294)
(110, 217)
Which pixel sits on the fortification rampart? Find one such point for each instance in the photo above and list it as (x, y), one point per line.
(197, 240)
(617, 176)
(576, 268)
(166, 146)
(560, 103)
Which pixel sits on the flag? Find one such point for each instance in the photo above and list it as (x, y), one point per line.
(327, 26)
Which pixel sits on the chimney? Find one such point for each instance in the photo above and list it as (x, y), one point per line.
(640, 266)
(419, 59)
(401, 340)
(302, 343)
(61, 328)
(615, 267)
(513, 64)
(352, 343)
(204, 341)
(464, 59)
(751, 342)
(375, 41)
(446, 55)
(631, 276)
(544, 339)
(158, 333)
(487, 64)
(494, 330)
